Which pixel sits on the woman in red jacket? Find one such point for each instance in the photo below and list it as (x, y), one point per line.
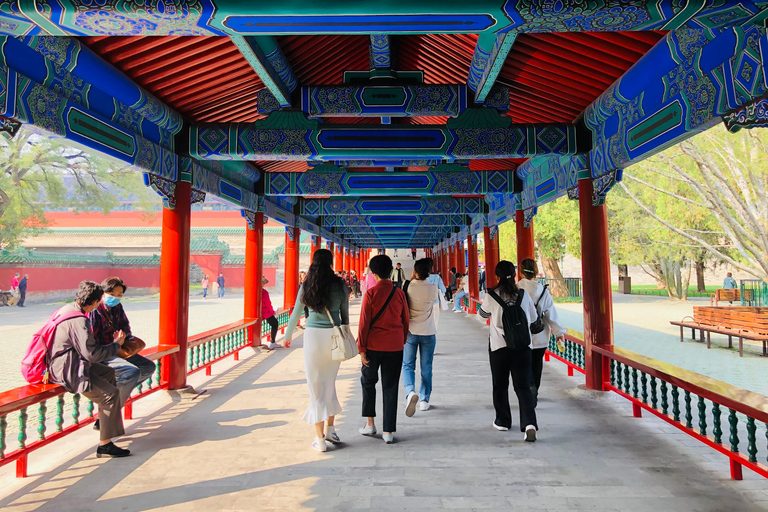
(381, 339)
(268, 313)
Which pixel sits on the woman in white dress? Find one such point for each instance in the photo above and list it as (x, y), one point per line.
(322, 291)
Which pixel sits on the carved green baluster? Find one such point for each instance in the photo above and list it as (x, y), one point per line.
(734, 439)
(751, 439)
(702, 416)
(158, 372)
(619, 381)
(89, 408)
(688, 414)
(191, 358)
(634, 383)
(75, 409)
(613, 372)
(41, 411)
(581, 356)
(675, 403)
(567, 350)
(644, 387)
(22, 428)
(626, 378)
(59, 413)
(664, 398)
(3, 425)
(654, 398)
(717, 428)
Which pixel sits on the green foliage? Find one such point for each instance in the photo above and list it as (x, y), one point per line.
(556, 229)
(508, 242)
(38, 173)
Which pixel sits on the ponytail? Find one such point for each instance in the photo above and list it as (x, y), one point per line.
(505, 271)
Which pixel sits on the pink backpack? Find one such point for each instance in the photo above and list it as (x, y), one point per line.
(34, 365)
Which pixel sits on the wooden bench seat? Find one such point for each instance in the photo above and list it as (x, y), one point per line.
(159, 351)
(727, 331)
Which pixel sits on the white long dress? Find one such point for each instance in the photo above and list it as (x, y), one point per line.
(321, 375)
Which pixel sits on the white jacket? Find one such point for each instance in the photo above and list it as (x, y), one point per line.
(491, 308)
(547, 307)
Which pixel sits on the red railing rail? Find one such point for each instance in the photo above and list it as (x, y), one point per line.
(213, 346)
(677, 396)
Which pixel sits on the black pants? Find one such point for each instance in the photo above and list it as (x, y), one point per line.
(22, 297)
(517, 363)
(391, 363)
(272, 321)
(537, 366)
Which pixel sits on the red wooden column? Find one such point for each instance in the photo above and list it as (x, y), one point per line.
(316, 241)
(174, 286)
(452, 256)
(446, 266)
(491, 242)
(474, 283)
(596, 279)
(292, 246)
(254, 268)
(524, 240)
(347, 259)
(338, 259)
(460, 257)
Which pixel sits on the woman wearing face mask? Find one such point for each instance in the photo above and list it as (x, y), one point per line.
(108, 323)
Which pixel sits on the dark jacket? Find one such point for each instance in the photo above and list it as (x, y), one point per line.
(73, 350)
(23, 285)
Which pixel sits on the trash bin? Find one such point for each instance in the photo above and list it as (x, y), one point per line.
(625, 285)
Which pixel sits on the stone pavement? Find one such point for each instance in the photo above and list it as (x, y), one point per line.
(241, 445)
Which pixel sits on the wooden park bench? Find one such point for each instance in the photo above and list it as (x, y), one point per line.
(742, 322)
(731, 295)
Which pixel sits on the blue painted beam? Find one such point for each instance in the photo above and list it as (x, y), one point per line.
(390, 184)
(498, 56)
(380, 51)
(375, 206)
(386, 219)
(476, 133)
(267, 59)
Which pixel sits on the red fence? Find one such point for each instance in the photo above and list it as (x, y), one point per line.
(656, 387)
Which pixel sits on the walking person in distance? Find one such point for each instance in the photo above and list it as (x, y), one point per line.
(398, 276)
(381, 339)
(324, 293)
(220, 282)
(511, 311)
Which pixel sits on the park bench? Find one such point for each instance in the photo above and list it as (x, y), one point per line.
(731, 295)
(742, 322)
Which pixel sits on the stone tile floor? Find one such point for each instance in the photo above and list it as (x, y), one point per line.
(242, 445)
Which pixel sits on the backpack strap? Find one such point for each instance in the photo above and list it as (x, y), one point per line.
(520, 294)
(543, 291)
(378, 315)
(496, 297)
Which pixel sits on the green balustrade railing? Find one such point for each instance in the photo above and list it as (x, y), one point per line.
(754, 292)
(567, 289)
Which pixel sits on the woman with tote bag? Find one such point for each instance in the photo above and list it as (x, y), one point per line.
(325, 294)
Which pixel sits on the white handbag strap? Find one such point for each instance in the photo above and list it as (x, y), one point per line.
(331, 318)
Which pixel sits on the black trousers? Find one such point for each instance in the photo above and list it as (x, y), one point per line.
(537, 365)
(506, 362)
(272, 321)
(22, 297)
(390, 363)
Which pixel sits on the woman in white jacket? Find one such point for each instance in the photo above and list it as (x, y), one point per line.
(546, 306)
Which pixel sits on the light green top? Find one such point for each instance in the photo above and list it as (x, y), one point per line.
(338, 305)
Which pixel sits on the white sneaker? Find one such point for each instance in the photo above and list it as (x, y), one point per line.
(332, 437)
(410, 403)
(499, 427)
(530, 434)
(457, 311)
(319, 444)
(388, 438)
(423, 405)
(273, 346)
(368, 431)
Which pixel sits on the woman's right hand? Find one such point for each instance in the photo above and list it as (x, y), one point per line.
(364, 359)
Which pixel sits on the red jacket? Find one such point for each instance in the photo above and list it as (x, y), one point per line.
(266, 305)
(391, 329)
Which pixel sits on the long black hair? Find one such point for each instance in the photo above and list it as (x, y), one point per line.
(320, 280)
(505, 271)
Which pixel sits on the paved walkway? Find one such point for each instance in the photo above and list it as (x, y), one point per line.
(242, 445)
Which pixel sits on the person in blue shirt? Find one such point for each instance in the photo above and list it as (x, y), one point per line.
(220, 282)
(729, 283)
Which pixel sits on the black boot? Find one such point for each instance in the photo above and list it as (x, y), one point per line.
(96, 425)
(110, 450)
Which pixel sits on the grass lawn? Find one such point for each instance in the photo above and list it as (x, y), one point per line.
(652, 289)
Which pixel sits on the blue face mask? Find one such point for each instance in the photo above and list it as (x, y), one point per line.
(111, 301)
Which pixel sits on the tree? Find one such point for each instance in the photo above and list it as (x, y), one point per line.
(721, 177)
(38, 172)
(507, 242)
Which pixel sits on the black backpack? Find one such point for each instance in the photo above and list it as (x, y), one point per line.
(517, 333)
(538, 325)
